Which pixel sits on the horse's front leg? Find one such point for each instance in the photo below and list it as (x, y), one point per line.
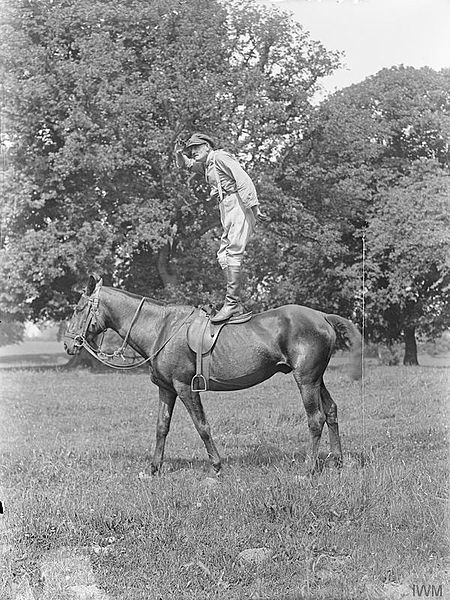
(193, 404)
(165, 410)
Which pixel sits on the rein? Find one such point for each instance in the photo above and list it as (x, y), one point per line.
(100, 356)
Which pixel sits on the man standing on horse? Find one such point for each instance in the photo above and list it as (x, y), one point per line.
(239, 209)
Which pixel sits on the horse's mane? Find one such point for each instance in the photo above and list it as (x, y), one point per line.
(149, 298)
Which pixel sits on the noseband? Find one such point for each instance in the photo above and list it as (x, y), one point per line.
(79, 339)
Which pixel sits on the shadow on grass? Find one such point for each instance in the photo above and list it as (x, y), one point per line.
(33, 368)
(257, 456)
(63, 368)
(427, 366)
(360, 458)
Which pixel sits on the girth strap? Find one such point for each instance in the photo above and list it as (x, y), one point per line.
(198, 382)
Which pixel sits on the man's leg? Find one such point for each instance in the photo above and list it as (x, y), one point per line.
(238, 226)
(222, 252)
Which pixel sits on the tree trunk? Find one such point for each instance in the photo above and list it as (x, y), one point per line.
(166, 271)
(410, 357)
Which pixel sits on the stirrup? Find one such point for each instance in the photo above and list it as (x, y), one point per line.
(201, 382)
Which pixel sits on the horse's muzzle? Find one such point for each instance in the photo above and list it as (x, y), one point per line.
(73, 345)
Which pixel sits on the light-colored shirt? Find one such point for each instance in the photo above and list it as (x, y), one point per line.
(233, 179)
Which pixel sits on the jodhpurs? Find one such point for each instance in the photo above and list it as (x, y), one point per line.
(238, 224)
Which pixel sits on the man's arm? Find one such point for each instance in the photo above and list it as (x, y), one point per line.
(181, 160)
(184, 162)
(244, 185)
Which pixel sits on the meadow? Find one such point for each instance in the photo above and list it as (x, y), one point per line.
(83, 518)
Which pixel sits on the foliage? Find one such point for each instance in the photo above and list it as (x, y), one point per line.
(11, 332)
(408, 236)
(375, 160)
(96, 94)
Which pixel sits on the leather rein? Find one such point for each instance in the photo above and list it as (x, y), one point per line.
(81, 341)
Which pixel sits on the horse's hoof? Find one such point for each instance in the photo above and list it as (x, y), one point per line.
(217, 469)
(334, 460)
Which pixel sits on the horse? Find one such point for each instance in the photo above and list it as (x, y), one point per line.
(289, 339)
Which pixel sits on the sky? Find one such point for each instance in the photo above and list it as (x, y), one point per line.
(376, 33)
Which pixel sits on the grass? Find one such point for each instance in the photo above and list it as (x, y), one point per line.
(75, 445)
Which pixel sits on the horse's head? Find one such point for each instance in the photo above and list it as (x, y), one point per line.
(86, 321)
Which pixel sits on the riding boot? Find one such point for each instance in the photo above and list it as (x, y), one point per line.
(232, 305)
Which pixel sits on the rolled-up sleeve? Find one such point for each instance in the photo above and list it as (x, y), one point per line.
(192, 165)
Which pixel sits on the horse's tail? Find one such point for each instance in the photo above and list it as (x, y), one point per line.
(348, 336)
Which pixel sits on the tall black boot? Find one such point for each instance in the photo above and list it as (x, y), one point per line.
(232, 305)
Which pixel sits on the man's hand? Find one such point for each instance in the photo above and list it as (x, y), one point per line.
(179, 146)
(259, 216)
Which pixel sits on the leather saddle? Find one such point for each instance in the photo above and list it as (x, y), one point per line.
(202, 336)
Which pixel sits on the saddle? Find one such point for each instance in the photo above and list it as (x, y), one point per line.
(202, 336)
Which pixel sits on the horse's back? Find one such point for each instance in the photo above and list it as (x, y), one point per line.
(295, 316)
(277, 336)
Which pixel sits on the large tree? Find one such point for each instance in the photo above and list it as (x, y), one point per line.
(361, 155)
(96, 94)
(408, 270)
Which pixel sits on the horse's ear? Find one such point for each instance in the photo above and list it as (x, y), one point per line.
(91, 285)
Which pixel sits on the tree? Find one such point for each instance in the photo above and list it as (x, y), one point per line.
(96, 94)
(365, 145)
(408, 274)
(11, 332)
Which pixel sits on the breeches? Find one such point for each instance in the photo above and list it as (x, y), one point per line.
(238, 224)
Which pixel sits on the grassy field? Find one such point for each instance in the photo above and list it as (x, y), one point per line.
(81, 516)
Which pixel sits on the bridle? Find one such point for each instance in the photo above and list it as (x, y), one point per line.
(79, 339)
(93, 316)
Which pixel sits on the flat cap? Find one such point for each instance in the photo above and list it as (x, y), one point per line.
(199, 138)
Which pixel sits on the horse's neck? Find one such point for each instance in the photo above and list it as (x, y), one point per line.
(144, 327)
(120, 312)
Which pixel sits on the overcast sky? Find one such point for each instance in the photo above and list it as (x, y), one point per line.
(376, 33)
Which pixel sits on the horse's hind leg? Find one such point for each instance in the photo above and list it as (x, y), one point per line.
(165, 410)
(311, 399)
(330, 409)
(193, 404)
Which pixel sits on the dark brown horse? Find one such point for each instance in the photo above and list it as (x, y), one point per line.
(290, 339)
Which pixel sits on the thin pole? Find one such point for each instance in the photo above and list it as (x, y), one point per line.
(363, 370)
(2, 162)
